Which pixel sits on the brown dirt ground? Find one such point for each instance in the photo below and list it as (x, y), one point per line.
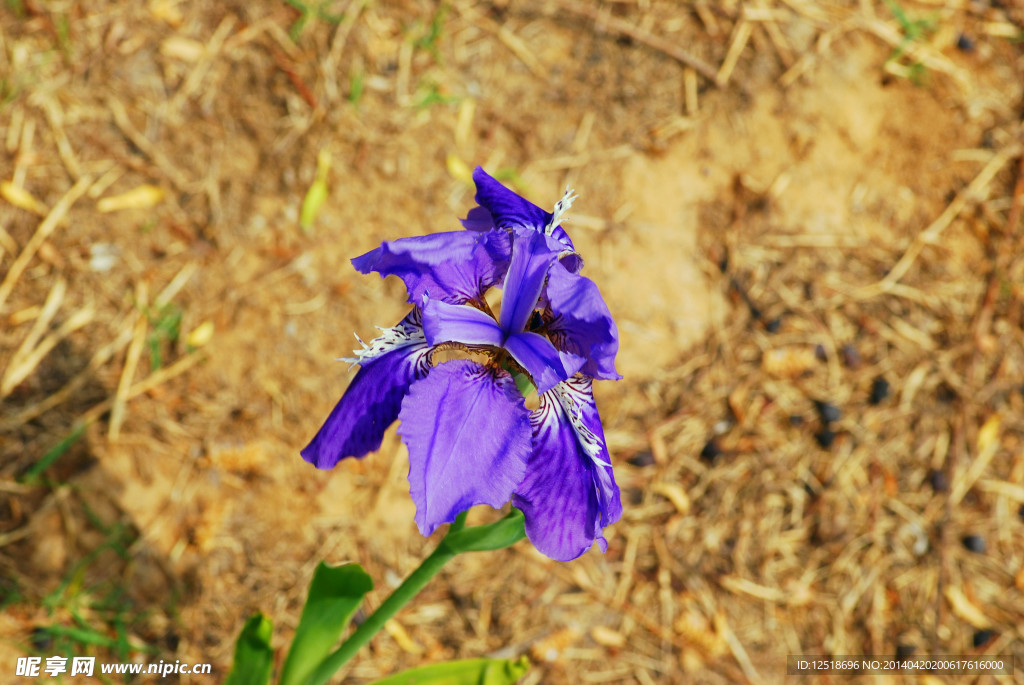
(842, 205)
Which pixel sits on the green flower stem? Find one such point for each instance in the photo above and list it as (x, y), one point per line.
(496, 535)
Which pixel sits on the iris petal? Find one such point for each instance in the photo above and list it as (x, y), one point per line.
(443, 322)
(569, 492)
(455, 266)
(524, 280)
(507, 209)
(583, 328)
(468, 434)
(370, 404)
(538, 356)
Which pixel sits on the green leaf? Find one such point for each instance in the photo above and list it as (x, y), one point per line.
(334, 595)
(465, 672)
(254, 658)
(31, 477)
(497, 535)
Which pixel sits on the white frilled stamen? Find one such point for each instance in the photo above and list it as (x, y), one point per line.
(407, 333)
(571, 395)
(561, 207)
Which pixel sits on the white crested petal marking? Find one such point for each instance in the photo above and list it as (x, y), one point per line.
(561, 207)
(567, 399)
(407, 333)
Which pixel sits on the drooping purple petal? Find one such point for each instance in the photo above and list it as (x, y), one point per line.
(569, 493)
(443, 322)
(455, 266)
(538, 356)
(370, 404)
(583, 328)
(468, 434)
(524, 280)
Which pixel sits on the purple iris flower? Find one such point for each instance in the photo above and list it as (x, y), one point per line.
(470, 436)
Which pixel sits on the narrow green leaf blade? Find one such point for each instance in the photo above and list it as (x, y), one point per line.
(334, 595)
(498, 535)
(465, 672)
(254, 658)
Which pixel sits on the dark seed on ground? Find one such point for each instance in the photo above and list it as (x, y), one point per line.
(982, 637)
(974, 543)
(825, 438)
(645, 458)
(938, 480)
(819, 353)
(774, 325)
(711, 450)
(904, 651)
(879, 390)
(829, 412)
(851, 357)
(41, 638)
(796, 420)
(964, 44)
(1020, 513)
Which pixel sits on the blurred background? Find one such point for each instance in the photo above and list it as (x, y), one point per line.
(805, 217)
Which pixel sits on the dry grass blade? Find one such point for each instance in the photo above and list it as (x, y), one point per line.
(21, 368)
(131, 362)
(931, 234)
(43, 231)
(617, 25)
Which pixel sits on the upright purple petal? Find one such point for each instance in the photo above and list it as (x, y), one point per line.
(468, 433)
(478, 219)
(443, 322)
(370, 404)
(507, 209)
(456, 266)
(524, 280)
(583, 328)
(569, 493)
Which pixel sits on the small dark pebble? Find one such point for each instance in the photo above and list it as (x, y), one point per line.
(851, 357)
(1020, 513)
(711, 450)
(774, 325)
(946, 393)
(41, 638)
(825, 438)
(172, 640)
(904, 651)
(982, 637)
(938, 480)
(796, 420)
(828, 411)
(964, 44)
(879, 390)
(642, 459)
(819, 353)
(974, 543)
